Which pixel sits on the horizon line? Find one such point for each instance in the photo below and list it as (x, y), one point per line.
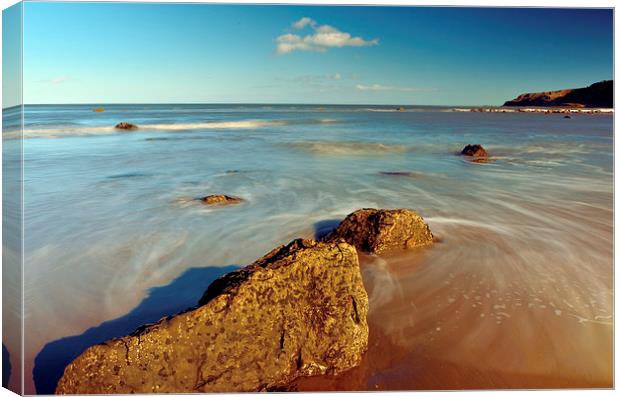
(240, 103)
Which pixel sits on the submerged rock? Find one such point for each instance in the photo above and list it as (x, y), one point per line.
(377, 231)
(411, 174)
(474, 151)
(126, 126)
(300, 310)
(221, 199)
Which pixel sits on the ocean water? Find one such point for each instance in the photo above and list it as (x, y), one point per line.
(517, 293)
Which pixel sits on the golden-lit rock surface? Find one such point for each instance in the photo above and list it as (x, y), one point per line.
(298, 311)
(379, 230)
(220, 199)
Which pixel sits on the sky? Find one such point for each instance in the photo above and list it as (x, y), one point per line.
(11, 56)
(207, 53)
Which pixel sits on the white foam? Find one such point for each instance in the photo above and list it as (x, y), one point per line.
(241, 124)
(73, 130)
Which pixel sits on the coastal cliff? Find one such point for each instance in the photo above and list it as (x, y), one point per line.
(597, 95)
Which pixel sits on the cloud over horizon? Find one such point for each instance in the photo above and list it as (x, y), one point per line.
(56, 80)
(380, 87)
(321, 39)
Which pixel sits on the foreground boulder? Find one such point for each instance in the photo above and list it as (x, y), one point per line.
(220, 199)
(126, 126)
(474, 151)
(298, 311)
(376, 231)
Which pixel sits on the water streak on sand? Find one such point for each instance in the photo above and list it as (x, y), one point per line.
(343, 148)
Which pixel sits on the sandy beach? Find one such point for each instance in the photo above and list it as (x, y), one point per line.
(517, 286)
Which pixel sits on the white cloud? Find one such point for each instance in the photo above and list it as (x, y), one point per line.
(321, 39)
(303, 22)
(314, 78)
(57, 80)
(379, 87)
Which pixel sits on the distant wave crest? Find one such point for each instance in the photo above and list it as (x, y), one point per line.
(58, 131)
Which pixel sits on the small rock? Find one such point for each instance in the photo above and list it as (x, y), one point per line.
(402, 173)
(567, 117)
(221, 199)
(377, 230)
(474, 151)
(298, 311)
(126, 126)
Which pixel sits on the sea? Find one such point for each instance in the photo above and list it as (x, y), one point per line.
(516, 293)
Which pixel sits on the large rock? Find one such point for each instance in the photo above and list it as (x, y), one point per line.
(377, 231)
(298, 311)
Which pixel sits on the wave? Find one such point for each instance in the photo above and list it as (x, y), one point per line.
(380, 110)
(344, 148)
(241, 124)
(58, 131)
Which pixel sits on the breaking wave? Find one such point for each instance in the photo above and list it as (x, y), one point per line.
(59, 131)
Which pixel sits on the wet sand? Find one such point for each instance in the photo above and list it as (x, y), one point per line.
(480, 310)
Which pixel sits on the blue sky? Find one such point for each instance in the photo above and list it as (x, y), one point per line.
(160, 53)
(11, 56)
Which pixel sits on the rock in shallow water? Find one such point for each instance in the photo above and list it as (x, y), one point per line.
(298, 311)
(411, 174)
(377, 231)
(474, 151)
(221, 199)
(126, 126)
